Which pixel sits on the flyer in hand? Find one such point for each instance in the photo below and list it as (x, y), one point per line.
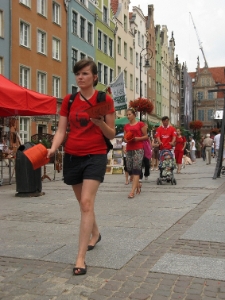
(100, 109)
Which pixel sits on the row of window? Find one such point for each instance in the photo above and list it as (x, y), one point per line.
(25, 81)
(82, 28)
(105, 44)
(25, 40)
(201, 95)
(205, 115)
(42, 9)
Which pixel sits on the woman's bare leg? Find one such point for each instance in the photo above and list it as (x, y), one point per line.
(85, 194)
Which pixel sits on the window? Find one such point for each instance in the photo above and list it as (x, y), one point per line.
(25, 77)
(125, 78)
(56, 48)
(125, 22)
(24, 34)
(74, 57)
(105, 75)
(90, 33)
(25, 2)
(210, 95)
(99, 40)
(110, 75)
(24, 130)
(210, 115)
(200, 95)
(56, 86)
(137, 86)
(82, 28)
(118, 70)
(74, 22)
(56, 13)
(119, 45)
(41, 7)
(41, 83)
(105, 14)
(131, 56)
(82, 55)
(201, 115)
(139, 38)
(142, 41)
(1, 65)
(131, 82)
(41, 43)
(110, 47)
(145, 90)
(100, 72)
(1, 23)
(137, 60)
(105, 41)
(125, 50)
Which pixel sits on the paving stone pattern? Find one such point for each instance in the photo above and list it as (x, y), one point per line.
(149, 242)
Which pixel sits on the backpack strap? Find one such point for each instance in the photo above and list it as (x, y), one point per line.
(72, 97)
(100, 98)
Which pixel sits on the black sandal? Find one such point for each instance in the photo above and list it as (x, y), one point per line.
(80, 271)
(90, 247)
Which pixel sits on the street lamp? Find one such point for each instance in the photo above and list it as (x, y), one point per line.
(147, 66)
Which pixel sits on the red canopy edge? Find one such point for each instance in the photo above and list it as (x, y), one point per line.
(19, 101)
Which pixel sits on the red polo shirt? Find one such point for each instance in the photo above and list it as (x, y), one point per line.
(166, 135)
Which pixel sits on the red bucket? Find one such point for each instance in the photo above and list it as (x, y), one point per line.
(37, 156)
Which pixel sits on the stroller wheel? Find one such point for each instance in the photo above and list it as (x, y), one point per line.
(160, 181)
(174, 181)
(157, 181)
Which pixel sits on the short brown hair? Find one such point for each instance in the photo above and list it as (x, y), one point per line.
(86, 62)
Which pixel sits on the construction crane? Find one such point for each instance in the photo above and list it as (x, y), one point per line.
(200, 44)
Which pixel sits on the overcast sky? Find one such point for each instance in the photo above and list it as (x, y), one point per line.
(209, 19)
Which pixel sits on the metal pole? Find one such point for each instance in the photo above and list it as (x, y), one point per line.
(220, 154)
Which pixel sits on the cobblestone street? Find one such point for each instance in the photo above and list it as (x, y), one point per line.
(166, 243)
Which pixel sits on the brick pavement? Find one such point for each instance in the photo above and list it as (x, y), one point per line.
(28, 279)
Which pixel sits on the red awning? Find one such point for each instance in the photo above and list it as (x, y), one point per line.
(18, 101)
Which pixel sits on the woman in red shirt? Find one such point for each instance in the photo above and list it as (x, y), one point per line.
(85, 153)
(135, 152)
(180, 144)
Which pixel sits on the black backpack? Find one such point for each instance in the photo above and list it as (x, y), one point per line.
(100, 98)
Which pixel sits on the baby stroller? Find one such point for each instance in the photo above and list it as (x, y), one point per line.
(166, 176)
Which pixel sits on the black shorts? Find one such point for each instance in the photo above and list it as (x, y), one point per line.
(78, 168)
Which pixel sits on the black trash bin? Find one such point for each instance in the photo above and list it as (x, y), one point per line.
(28, 180)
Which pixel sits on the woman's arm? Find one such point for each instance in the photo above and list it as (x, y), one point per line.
(59, 136)
(108, 126)
(185, 143)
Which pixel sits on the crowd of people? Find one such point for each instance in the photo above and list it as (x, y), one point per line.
(166, 137)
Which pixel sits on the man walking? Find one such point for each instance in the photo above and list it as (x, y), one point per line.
(207, 143)
(166, 135)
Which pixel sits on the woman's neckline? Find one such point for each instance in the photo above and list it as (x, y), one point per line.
(133, 124)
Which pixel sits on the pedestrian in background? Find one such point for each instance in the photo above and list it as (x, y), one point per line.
(134, 134)
(202, 148)
(180, 145)
(192, 149)
(207, 143)
(85, 153)
(124, 147)
(217, 143)
(166, 135)
(155, 154)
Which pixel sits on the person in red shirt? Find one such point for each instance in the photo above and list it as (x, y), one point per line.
(165, 134)
(135, 152)
(180, 144)
(85, 153)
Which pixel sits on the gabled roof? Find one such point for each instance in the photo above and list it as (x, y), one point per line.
(218, 74)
